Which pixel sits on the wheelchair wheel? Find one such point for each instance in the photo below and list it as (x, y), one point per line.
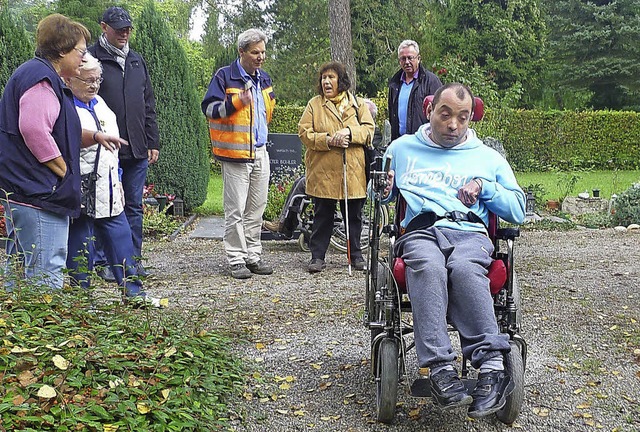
(339, 238)
(514, 366)
(303, 242)
(387, 380)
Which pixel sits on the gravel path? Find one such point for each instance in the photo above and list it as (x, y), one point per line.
(303, 338)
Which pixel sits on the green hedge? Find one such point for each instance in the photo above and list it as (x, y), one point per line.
(545, 140)
(540, 140)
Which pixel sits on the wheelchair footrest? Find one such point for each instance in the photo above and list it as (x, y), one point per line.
(421, 388)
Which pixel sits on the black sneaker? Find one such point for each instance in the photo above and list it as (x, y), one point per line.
(490, 394)
(260, 268)
(448, 390)
(105, 273)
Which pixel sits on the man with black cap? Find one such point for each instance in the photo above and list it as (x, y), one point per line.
(127, 90)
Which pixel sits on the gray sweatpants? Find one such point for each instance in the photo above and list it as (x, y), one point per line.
(446, 274)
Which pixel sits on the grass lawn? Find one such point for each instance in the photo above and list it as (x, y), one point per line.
(551, 185)
(554, 185)
(213, 203)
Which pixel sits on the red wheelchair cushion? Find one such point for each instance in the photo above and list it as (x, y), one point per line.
(497, 276)
(399, 274)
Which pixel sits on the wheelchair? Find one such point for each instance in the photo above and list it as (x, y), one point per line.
(299, 222)
(387, 312)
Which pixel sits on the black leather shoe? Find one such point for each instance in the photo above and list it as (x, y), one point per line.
(141, 271)
(106, 274)
(447, 389)
(359, 264)
(490, 394)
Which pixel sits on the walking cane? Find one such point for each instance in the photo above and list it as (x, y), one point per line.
(346, 206)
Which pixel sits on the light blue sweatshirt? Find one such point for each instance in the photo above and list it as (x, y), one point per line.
(428, 176)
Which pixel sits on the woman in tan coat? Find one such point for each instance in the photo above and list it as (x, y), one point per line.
(335, 124)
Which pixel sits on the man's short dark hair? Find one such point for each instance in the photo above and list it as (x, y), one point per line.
(460, 91)
(344, 83)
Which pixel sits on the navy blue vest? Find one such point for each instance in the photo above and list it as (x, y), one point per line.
(22, 177)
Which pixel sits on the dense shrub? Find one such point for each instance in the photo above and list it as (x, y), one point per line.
(539, 140)
(183, 166)
(627, 206)
(543, 140)
(16, 45)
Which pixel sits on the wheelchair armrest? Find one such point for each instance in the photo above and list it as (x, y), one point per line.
(507, 233)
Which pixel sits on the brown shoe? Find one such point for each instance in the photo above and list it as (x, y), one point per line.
(273, 226)
(260, 268)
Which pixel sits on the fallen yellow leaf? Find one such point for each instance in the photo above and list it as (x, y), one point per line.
(46, 392)
(143, 408)
(60, 362)
(170, 351)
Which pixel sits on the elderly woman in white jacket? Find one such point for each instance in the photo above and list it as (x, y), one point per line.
(106, 216)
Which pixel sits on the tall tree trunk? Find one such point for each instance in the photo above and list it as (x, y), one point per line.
(340, 36)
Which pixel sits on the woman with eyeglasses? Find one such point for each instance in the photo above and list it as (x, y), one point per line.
(40, 140)
(102, 210)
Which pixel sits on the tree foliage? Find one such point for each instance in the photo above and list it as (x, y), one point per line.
(505, 38)
(87, 12)
(183, 167)
(595, 48)
(16, 45)
(300, 44)
(378, 27)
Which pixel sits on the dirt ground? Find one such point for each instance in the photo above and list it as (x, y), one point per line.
(303, 338)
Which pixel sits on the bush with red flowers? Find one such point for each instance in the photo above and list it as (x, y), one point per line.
(3, 228)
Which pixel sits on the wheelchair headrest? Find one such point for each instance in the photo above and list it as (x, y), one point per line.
(478, 111)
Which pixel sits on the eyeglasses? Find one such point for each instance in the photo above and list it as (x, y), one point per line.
(82, 52)
(91, 82)
(407, 58)
(123, 30)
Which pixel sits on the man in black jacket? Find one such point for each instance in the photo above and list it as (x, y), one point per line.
(127, 90)
(407, 90)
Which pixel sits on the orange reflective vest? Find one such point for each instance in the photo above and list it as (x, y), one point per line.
(230, 122)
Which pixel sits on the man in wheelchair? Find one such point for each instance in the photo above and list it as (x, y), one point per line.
(451, 182)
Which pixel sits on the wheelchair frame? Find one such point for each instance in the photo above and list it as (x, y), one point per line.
(385, 303)
(304, 214)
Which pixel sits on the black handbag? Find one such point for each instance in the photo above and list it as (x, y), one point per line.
(88, 189)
